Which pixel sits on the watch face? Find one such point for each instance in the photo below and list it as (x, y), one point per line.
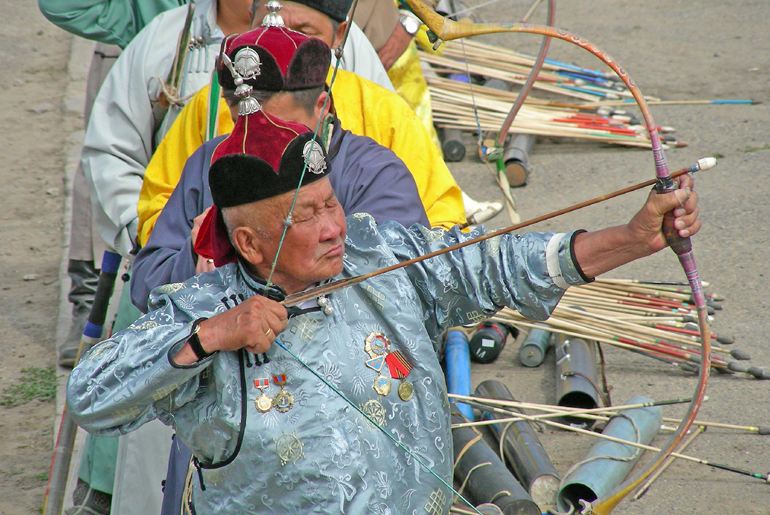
(411, 26)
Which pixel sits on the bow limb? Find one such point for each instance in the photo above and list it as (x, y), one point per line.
(525, 89)
(444, 29)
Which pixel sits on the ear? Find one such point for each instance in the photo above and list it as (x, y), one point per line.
(339, 34)
(248, 244)
(320, 109)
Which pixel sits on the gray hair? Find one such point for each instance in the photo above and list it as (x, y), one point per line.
(246, 216)
(304, 98)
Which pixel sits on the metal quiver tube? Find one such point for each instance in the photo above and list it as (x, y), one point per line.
(521, 448)
(594, 479)
(576, 381)
(488, 341)
(516, 158)
(457, 367)
(452, 144)
(484, 478)
(532, 351)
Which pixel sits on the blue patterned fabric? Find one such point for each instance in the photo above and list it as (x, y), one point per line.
(321, 456)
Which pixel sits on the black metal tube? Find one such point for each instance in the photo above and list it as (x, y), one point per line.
(452, 144)
(522, 449)
(576, 376)
(485, 478)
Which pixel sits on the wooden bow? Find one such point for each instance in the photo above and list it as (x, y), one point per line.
(442, 29)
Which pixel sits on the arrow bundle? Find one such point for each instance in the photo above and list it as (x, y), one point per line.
(461, 105)
(555, 77)
(654, 320)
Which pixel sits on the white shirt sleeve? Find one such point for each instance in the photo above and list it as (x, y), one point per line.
(360, 58)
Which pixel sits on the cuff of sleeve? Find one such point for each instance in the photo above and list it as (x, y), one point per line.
(178, 346)
(562, 266)
(579, 270)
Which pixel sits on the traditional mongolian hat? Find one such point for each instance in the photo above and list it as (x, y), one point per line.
(272, 58)
(262, 158)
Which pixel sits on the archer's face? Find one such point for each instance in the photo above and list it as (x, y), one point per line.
(303, 19)
(314, 245)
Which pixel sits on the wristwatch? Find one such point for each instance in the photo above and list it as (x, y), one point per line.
(195, 342)
(411, 25)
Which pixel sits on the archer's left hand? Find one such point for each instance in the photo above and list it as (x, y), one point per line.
(646, 224)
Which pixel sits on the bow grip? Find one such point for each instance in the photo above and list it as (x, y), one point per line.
(678, 244)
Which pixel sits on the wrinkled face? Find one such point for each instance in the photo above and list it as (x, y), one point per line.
(303, 19)
(313, 248)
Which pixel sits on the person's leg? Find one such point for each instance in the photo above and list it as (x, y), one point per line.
(83, 274)
(81, 267)
(93, 494)
(173, 487)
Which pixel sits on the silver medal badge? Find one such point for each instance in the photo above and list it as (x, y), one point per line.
(314, 157)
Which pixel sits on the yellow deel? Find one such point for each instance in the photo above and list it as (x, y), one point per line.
(364, 108)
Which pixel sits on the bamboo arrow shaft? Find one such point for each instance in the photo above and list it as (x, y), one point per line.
(298, 298)
(666, 464)
(481, 405)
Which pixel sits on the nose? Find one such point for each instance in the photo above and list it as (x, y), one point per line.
(331, 229)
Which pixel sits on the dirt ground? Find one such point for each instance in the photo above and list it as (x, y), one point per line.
(674, 49)
(33, 60)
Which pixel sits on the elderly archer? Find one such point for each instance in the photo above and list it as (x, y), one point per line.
(269, 434)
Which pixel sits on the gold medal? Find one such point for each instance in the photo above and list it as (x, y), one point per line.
(283, 401)
(382, 385)
(405, 390)
(263, 402)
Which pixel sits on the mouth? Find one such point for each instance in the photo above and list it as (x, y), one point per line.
(336, 250)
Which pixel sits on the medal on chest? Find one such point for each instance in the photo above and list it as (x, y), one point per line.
(263, 403)
(283, 400)
(377, 347)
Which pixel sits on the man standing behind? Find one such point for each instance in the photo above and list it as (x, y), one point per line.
(287, 71)
(122, 134)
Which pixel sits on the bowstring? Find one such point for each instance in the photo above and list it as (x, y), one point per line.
(287, 222)
(480, 141)
(454, 14)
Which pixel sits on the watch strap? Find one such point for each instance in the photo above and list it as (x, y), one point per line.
(195, 342)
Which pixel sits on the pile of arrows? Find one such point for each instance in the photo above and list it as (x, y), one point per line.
(499, 460)
(459, 104)
(652, 319)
